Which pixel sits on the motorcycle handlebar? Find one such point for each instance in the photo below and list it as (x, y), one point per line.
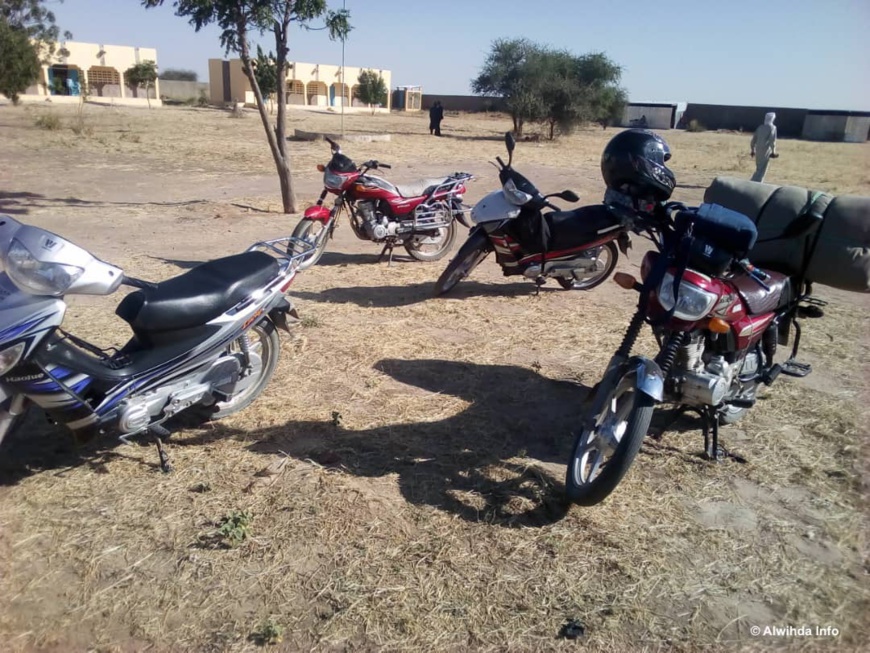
(138, 283)
(385, 165)
(501, 163)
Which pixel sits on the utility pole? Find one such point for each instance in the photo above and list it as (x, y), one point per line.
(343, 83)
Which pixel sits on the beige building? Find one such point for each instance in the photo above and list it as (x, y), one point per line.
(307, 84)
(95, 68)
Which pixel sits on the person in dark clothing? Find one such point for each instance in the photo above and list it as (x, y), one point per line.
(436, 115)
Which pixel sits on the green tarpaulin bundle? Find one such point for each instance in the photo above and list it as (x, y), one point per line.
(835, 253)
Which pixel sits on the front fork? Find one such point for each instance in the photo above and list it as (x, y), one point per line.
(11, 408)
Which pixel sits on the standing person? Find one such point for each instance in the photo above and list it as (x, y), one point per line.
(436, 115)
(763, 146)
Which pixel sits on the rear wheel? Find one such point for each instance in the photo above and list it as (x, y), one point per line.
(469, 256)
(606, 257)
(432, 246)
(604, 451)
(315, 233)
(263, 347)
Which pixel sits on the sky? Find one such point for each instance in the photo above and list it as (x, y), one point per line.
(777, 53)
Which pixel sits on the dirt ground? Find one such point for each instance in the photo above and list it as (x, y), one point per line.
(403, 471)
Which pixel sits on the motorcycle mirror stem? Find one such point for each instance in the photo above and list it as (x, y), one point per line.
(510, 144)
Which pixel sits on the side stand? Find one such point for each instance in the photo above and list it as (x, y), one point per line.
(388, 247)
(160, 434)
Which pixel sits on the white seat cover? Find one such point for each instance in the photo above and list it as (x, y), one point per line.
(417, 188)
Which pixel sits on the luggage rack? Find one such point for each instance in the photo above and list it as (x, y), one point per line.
(289, 248)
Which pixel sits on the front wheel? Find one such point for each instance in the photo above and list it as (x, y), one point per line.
(606, 257)
(469, 256)
(604, 451)
(315, 233)
(432, 246)
(263, 347)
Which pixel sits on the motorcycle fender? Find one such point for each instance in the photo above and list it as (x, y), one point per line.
(279, 314)
(650, 379)
(317, 213)
(624, 242)
(462, 218)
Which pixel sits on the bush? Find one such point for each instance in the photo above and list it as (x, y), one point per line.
(695, 126)
(48, 121)
(202, 100)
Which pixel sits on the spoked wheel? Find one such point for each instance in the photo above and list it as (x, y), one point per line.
(469, 256)
(315, 233)
(263, 348)
(432, 246)
(604, 452)
(606, 258)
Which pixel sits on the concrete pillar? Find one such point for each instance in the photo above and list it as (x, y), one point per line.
(123, 85)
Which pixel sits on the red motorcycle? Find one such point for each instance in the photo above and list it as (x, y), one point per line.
(717, 319)
(420, 216)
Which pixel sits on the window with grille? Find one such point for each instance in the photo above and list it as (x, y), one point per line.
(98, 75)
(295, 87)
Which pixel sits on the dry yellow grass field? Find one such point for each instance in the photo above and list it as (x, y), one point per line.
(400, 479)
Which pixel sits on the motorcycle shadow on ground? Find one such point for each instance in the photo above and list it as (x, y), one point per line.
(414, 293)
(466, 464)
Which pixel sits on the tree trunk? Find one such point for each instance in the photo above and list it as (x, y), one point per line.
(277, 140)
(281, 31)
(552, 130)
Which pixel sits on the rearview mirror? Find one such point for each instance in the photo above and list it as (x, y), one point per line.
(568, 196)
(510, 142)
(802, 225)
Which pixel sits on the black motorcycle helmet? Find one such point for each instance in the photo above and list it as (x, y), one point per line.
(634, 163)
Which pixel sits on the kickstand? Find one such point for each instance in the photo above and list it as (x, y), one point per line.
(540, 280)
(160, 434)
(710, 425)
(387, 248)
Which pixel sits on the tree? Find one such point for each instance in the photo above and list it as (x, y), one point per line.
(19, 65)
(553, 87)
(508, 72)
(179, 75)
(372, 89)
(237, 19)
(267, 75)
(28, 36)
(143, 74)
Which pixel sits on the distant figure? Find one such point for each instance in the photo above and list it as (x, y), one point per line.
(763, 146)
(436, 115)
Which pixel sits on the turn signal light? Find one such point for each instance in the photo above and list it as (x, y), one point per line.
(320, 167)
(624, 280)
(718, 325)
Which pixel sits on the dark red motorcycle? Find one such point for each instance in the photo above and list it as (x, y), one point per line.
(717, 319)
(420, 216)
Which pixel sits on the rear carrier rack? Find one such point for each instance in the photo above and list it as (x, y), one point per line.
(289, 249)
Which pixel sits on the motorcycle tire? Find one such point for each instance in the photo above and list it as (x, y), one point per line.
(634, 416)
(412, 246)
(307, 230)
(592, 282)
(469, 256)
(269, 349)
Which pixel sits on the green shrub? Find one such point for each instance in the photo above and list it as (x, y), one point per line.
(48, 121)
(695, 126)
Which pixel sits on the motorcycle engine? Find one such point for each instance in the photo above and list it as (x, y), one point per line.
(376, 224)
(702, 380)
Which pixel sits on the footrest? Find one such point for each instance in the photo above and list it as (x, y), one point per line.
(814, 301)
(771, 374)
(741, 403)
(793, 368)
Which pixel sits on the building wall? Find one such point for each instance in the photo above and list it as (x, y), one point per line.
(72, 60)
(820, 127)
(657, 117)
(322, 84)
(789, 122)
(857, 129)
(182, 90)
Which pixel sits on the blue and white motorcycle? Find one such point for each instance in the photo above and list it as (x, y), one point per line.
(203, 341)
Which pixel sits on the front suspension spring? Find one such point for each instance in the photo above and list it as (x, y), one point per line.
(668, 354)
(631, 335)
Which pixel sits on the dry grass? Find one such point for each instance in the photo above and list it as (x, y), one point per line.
(410, 451)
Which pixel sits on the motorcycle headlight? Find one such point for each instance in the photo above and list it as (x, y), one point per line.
(37, 277)
(332, 180)
(692, 302)
(10, 356)
(514, 195)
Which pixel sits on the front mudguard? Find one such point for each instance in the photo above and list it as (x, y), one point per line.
(317, 212)
(279, 314)
(649, 377)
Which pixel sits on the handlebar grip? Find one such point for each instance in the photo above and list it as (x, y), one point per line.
(501, 163)
(385, 165)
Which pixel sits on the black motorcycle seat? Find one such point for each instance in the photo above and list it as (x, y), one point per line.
(758, 300)
(572, 229)
(197, 296)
